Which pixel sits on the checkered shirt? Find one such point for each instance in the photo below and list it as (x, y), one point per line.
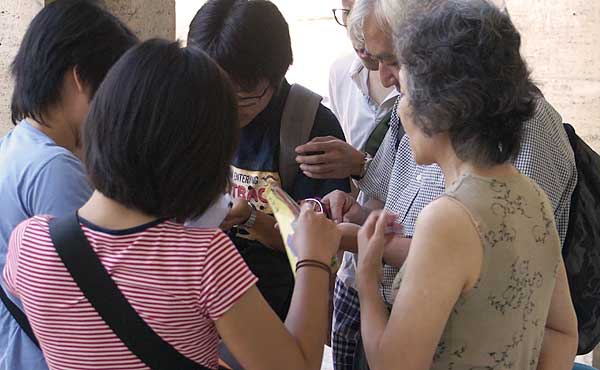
(406, 188)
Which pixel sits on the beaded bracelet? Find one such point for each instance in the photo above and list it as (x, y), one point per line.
(313, 263)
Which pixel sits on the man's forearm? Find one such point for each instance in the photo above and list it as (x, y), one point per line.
(394, 254)
(265, 232)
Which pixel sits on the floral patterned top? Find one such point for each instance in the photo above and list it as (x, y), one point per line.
(499, 324)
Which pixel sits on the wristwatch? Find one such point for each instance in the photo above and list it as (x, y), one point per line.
(251, 220)
(365, 166)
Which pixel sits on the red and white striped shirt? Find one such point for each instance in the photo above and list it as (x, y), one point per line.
(178, 279)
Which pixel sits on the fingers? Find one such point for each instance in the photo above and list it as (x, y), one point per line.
(321, 139)
(383, 220)
(324, 176)
(318, 169)
(322, 146)
(368, 228)
(313, 145)
(305, 208)
(336, 205)
(315, 158)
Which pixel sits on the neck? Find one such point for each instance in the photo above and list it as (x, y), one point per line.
(376, 90)
(453, 167)
(59, 130)
(109, 214)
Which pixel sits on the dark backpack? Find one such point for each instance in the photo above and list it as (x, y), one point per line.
(581, 251)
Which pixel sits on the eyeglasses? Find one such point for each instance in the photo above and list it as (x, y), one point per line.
(341, 16)
(248, 101)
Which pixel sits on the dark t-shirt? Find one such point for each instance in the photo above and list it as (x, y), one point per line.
(256, 163)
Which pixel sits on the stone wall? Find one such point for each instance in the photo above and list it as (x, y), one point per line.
(148, 18)
(15, 16)
(561, 42)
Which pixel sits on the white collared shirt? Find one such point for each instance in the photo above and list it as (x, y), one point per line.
(356, 111)
(358, 115)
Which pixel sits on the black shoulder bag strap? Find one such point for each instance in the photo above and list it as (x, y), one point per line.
(378, 134)
(106, 298)
(18, 315)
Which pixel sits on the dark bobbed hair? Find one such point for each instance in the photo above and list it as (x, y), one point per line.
(161, 131)
(466, 77)
(249, 39)
(63, 35)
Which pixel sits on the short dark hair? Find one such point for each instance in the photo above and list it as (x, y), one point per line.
(249, 39)
(161, 131)
(466, 77)
(64, 34)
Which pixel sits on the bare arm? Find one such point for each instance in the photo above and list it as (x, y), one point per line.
(394, 254)
(253, 332)
(264, 227)
(265, 232)
(259, 340)
(435, 277)
(560, 338)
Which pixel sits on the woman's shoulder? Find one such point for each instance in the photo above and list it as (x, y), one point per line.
(209, 238)
(36, 225)
(446, 219)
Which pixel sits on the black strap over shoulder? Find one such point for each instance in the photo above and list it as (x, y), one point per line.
(18, 315)
(378, 134)
(106, 298)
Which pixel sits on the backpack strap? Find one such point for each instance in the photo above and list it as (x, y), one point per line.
(18, 315)
(101, 291)
(297, 122)
(378, 134)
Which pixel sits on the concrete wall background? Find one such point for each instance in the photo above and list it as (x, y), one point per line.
(15, 16)
(147, 18)
(561, 42)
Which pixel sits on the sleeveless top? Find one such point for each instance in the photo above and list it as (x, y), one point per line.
(499, 324)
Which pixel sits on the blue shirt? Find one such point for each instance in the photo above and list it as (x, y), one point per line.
(36, 177)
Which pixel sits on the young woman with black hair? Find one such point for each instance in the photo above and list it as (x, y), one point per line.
(158, 141)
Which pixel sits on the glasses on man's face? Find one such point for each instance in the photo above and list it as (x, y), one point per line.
(248, 101)
(341, 16)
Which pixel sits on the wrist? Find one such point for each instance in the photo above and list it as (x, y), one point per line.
(316, 264)
(358, 159)
(316, 257)
(250, 220)
(364, 166)
(366, 282)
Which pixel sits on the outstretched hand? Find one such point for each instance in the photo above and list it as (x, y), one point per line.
(372, 237)
(315, 236)
(328, 157)
(344, 208)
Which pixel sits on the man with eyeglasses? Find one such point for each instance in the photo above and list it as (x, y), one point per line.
(363, 106)
(250, 40)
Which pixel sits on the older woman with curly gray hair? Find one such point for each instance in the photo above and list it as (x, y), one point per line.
(484, 285)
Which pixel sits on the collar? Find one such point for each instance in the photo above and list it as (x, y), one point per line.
(360, 77)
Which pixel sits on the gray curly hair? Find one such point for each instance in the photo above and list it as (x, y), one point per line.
(465, 76)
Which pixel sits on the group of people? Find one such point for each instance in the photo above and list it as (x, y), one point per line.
(446, 174)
